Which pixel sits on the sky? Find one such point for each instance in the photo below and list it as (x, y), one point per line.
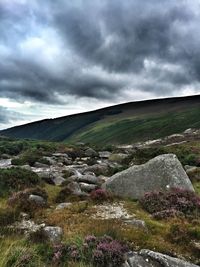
(65, 57)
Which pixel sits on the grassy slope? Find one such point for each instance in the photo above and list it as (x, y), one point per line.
(134, 129)
(123, 123)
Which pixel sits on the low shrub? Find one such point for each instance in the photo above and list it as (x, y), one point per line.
(169, 213)
(100, 195)
(100, 251)
(176, 200)
(15, 179)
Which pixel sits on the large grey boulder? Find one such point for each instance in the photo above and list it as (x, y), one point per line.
(160, 173)
(148, 258)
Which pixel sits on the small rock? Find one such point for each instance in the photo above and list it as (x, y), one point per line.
(104, 154)
(40, 165)
(137, 223)
(63, 205)
(37, 199)
(87, 187)
(90, 179)
(58, 180)
(54, 233)
(91, 153)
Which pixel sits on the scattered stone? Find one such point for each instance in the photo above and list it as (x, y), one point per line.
(104, 154)
(87, 178)
(63, 205)
(111, 211)
(98, 169)
(40, 165)
(91, 153)
(54, 233)
(137, 223)
(160, 173)
(87, 187)
(119, 158)
(58, 180)
(37, 199)
(4, 163)
(27, 226)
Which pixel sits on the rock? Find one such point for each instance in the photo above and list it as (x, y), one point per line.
(119, 158)
(134, 260)
(160, 173)
(188, 167)
(62, 206)
(137, 223)
(74, 187)
(98, 169)
(175, 136)
(90, 179)
(87, 187)
(58, 180)
(27, 226)
(51, 160)
(37, 199)
(57, 155)
(54, 233)
(40, 165)
(4, 163)
(91, 153)
(76, 190)
(148, 258)
(104, 154)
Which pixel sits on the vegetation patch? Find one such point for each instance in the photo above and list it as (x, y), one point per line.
(16, 179)
(173, 202)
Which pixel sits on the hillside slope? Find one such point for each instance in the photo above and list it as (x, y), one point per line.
(124, 123)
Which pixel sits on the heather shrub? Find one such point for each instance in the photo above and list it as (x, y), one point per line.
(100, 251)
(109, 253)
(100, 195)
(179, 200)
(15, 179)
(169, 213)
(21, 202)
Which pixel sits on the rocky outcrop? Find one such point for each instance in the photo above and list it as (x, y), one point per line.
(148, 258)
(161, 173)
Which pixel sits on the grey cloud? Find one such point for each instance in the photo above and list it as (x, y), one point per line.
(115, 36)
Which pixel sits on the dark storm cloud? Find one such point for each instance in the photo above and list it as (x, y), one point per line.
(97, 49)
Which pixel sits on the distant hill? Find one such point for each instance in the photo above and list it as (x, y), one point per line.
(120, 124)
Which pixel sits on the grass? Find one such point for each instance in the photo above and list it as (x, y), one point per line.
(120, 124)
(78, 221)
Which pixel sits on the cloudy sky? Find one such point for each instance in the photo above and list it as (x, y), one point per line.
(62, 57)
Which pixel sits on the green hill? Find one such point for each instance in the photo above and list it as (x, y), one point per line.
(124, 123)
